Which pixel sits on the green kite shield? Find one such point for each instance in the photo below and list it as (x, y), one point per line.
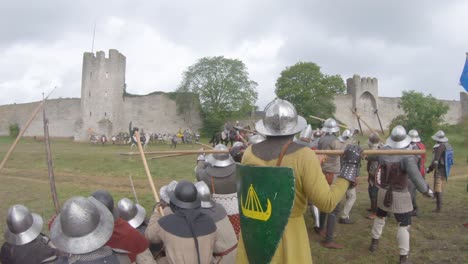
(266, 196)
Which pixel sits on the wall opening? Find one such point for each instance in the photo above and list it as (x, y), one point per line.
(89, 114)
(366, 103)
(89, 93)
(105, 113)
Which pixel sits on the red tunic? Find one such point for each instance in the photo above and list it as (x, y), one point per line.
(127, 238)
(423, 159)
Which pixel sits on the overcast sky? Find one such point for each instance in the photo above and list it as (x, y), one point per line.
(417, 45)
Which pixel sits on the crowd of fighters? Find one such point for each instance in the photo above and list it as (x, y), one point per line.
(200, 221)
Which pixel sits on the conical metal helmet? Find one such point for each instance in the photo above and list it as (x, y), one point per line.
(22, 225)
(398, 138)
(307, 133)
(414, 136)
(185, 196)
(83, 225)
(220, 159)
(330, 126)
(256, 139)
(281, 119)
(165, 190)
(345, 135)
(205, 195)
(133, 213)
(439, 136)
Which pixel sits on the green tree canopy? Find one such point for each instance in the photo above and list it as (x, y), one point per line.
(422, 112)
(309, 90)
(223, 86)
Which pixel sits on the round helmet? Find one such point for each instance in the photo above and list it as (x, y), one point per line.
(205, 195)
(307, 133)
(22, 225)
(414, 136)
(439, 136)
(373, 140)
(345, 135)
(398, 138)
(133, 213)
(330, 126)
(281, 119)
(165, 190)
(185, 196)
(256, 139)
(238, 144)
(83, 225)
(106, 199)
(220, 159)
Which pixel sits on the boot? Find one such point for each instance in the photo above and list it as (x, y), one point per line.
(331, 244)
(438, 197)
(404, 259)
(374, 245)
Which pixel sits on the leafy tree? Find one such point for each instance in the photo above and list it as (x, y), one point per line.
(309, 90)
(223, 86)
(422, 112)
(14, 130)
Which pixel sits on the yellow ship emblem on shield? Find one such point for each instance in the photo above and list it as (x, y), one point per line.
(252, 207)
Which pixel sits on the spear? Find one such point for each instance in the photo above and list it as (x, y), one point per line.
(50, 167)
(148, 173)
(133, 189)
(204, 145)
(22, 131)
(323, 120)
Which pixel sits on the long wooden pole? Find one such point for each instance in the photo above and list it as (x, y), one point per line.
(323, 120)
(367, 125)
(133, 189)
(248, 130)
(318, 152)
(148, 173)
(204, 145)
(50, 167)
(170, 155)
(22, 131)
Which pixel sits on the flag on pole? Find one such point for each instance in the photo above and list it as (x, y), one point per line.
(464, 75)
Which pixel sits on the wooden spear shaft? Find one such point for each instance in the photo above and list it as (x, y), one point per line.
(365, 123)
(148, 173)
(204, 145)
(323, 120)
(170, 155)
(318, 152)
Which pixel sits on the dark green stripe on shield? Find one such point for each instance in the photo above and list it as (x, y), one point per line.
(266, 196)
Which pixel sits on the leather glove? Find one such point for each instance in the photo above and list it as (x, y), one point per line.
(351, 159)
(429, 193)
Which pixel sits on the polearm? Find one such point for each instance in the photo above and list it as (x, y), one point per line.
(133, 189)
(323, 120)
(204, 145)
(367, 125)
(148, 173)
(318, 152)
(380, 123)
(169, 156)
(248, 130)
(50, 167)
(22, 131)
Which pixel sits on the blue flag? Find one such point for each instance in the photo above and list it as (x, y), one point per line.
(464, 76)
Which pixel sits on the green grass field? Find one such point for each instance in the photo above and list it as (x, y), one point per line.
(81, 168)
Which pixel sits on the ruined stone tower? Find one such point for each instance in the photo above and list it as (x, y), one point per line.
(102, 91)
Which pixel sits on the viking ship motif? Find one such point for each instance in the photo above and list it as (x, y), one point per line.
(252, 207)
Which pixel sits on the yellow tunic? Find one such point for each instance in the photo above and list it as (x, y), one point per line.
(311, 185)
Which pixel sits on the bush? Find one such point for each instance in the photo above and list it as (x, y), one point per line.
(14, 130)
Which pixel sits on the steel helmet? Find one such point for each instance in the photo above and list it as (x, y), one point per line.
(185, 196)
(281, 119)
(22, 225)
(414, 135)
(133, 213)
(256, 139)
(307, 133)
(205, 195)
(439, 136)
(106, 199)
(330, 126)
(345, 135)
(398, 138)
(373, 140)
(220, 159)
(165, 190)
(83, 225)
(317, 133)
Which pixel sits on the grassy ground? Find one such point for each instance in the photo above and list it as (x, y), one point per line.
(82, 168)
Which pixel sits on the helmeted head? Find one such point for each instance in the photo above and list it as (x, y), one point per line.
(83, 225)
(306, 134)
(165, 190)
(398, 138)
(345, 135)
(373, 140)
(106, 199)
(22, 225)
(281, 119)
(330, 126)
(440, 137)
(220, 159)
(414, 135)
(205, 195)
(133, 213)
(256, 139)
(185, 196)
(317, 133)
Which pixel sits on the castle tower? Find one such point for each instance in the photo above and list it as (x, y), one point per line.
(102, 90)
